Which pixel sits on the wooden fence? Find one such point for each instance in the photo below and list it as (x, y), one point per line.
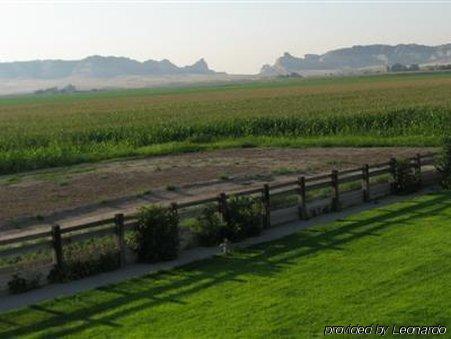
(54, 240)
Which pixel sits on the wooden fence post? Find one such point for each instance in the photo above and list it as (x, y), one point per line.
(174, 208)
(58, 247)
(223, 208)
(302, 199)
(393, 171)
(335, 191)
(418, 168)
(120, 239)
(366, 182)
(266, 206)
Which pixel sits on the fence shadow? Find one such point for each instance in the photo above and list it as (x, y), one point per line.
(171, 287)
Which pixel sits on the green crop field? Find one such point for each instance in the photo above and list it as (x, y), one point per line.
(386, 266)
(40, 131)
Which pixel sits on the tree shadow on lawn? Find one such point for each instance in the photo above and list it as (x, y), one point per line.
(167, 287)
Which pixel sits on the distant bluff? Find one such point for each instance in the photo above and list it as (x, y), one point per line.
(360, 57)
(97, 67)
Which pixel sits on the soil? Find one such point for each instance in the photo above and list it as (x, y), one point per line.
(67, 195)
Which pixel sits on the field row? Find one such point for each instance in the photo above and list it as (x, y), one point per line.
(59, 130)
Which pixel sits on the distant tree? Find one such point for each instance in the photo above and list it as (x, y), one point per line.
(398, 68)
(68, 89)
(414, 67)
(295, 75)
(50, 90)
(444, 67)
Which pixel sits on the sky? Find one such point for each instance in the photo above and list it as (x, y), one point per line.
(235, 37)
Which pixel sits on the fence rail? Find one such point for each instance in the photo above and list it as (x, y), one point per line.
(57, 237)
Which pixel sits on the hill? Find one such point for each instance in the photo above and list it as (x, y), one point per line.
(358, 57)
(97, 67)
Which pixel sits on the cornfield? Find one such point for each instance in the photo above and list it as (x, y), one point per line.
(43, 131)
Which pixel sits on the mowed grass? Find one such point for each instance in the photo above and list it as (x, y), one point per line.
(44, 131)
(385, 266)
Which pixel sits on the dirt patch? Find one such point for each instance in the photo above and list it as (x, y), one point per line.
(32, 198)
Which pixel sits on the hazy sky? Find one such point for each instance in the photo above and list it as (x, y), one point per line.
(232, 37)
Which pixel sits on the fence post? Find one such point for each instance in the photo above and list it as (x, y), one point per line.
(58, 247)
(266, 206)
(302, 199)
(174, 207)
(119, 222)
(223, 208)
(418, 168)
(366, 182)
(335, 191)
(393, 170)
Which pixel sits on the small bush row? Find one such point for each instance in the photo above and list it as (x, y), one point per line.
(81, 260)
(157, 234)
(20, 284)
(156, 238)
(79, 268)
(406, 178)
(244, 219)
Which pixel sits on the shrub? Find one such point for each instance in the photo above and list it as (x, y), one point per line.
(209, 227)
(86, 259)
(19, 284)
(443, 164)
(244, 218)
(406, 178)
(156, 237)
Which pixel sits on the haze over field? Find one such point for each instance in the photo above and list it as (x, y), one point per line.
(154, 44)
(98, 72)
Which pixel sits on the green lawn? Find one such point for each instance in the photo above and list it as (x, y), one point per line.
(387, 266)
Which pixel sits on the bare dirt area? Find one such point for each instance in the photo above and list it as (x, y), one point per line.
(68, 195)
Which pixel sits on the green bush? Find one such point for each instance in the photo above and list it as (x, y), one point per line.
(209, 227)
(86, 259)
(244, 218)
(19, 284)
(156, 237)
(443, 164)
(406, 178)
